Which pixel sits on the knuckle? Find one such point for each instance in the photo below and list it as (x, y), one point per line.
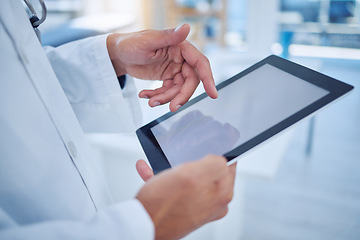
(206, 60)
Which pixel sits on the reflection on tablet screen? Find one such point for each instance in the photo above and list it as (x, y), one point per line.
(237, 115)
(198, 133)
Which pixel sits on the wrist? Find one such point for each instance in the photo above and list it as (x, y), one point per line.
(112, 42)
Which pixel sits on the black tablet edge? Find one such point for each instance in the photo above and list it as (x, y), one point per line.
(278, 62)
(316, 77)
(334, 93)
(152, 151)
(254, 145)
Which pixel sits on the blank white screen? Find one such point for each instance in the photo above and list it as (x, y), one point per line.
(243, 110)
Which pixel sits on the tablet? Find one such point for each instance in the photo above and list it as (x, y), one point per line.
(251, 107)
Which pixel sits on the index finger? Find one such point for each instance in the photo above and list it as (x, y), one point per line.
(201, 63)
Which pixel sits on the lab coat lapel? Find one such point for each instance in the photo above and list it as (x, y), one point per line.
(37, 65)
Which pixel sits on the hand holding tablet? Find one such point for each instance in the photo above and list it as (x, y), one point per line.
(252, 107)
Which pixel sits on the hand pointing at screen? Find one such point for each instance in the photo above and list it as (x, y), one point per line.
(163, 55)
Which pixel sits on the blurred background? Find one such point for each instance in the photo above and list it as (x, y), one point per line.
(301, 185)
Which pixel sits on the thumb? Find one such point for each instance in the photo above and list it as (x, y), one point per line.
(144, 170)
(169, 37)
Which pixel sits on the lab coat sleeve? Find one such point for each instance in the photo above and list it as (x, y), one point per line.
(127, 220)
(88, 79)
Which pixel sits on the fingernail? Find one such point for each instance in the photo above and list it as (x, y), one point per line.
(178, 28)
(155, 104)
(177, 107)
(145, 96)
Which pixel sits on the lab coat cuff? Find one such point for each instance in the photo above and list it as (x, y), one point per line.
(129, 95)
(116, 112)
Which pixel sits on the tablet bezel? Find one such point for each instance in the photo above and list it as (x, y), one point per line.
(336, 89)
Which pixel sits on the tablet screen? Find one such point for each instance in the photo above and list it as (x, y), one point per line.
(243, 110)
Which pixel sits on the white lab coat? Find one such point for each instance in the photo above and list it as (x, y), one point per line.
(50, 185)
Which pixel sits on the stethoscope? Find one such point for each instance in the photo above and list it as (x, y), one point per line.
(34, 19)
